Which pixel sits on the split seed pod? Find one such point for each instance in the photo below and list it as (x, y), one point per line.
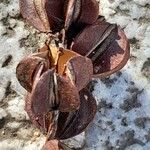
(81, 12)
(53, 92)
(28, 66)
(63, 125)
(77, 68)
(44, 15)
(50, 94)
(76, 122)
(52, 15)
(105, 44)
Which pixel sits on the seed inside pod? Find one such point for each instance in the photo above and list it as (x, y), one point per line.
(105, 44)
(59, 58)
(27, 67)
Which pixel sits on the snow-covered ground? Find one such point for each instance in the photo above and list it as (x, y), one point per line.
(123, 118)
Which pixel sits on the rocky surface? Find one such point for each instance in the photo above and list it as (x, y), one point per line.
(123, 118)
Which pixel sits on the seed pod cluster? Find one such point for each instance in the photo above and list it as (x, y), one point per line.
(58, 101)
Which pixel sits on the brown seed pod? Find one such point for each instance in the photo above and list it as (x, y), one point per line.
(77, 68)
(50, 93)
(77, 122)
(89, 11)
(45, 122)
(44, 15)
(49, 15)
(28, 66)
(63, 125)
(105, 44)
(81, 12)
(57, 94)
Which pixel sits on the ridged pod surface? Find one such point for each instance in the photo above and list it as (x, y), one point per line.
(105, 44)
(52, 15)
(65, 124)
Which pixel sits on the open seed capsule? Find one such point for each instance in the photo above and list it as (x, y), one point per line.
(44, 15)
(50, 93)
(52, 15)
(63, 125)
(105, 44)
(78, 69)
(81, 12)
(76, 122)
(53, 92)
(28, 66)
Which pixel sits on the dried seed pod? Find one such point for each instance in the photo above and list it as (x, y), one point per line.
(49, 15)
(67, 63)
(73, 123)
(27, 67)
(44, 15)
(63, 125)
(57, 94)
(105, 44)
(77, 68)
(50, 93)
(45, 122)
(89, 11)
(81, 12)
